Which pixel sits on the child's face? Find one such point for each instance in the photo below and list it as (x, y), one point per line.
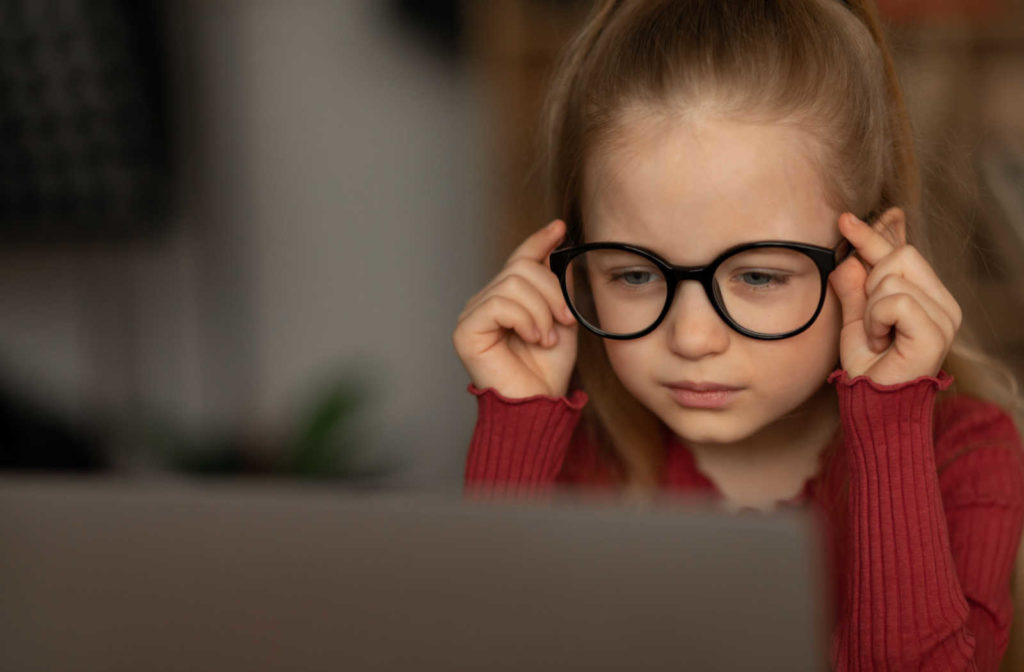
(687, 191)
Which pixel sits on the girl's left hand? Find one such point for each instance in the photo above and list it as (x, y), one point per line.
(899, 320)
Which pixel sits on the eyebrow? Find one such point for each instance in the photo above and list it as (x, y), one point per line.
(841, 243)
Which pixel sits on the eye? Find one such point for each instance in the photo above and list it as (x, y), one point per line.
(762, 278)
(635, 278)
(756, 278)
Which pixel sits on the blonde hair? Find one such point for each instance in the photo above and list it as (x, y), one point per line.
(822, 65)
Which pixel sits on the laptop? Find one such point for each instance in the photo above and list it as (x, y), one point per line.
(114, 574)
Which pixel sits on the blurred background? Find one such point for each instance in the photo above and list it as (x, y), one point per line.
(235, 236)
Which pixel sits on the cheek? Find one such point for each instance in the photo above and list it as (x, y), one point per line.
(811, 354)
(628, 359)
(830, 322)
(620, 353)
(818, 347)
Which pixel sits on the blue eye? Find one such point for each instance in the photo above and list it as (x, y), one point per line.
(759, 278)
(637, 277)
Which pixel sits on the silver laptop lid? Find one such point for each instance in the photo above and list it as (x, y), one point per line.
(119, 575)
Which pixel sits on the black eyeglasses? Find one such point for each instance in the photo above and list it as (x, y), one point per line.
(766, 290)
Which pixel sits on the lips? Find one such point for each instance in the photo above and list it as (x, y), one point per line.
(702, 387)
(703, 395)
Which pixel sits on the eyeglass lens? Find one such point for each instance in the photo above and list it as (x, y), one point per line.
(768, 290)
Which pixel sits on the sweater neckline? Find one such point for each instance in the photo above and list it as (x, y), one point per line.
(681, 470)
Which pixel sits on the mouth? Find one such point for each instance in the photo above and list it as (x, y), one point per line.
(703, 395)
(702, 387)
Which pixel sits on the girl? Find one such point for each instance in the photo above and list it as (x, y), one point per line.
(741, 304)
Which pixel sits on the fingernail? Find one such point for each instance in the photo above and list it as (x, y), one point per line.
(552, 337)
(536, 334)
(551, 225)
(567, 314)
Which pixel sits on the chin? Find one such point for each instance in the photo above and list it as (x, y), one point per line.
(720, 429)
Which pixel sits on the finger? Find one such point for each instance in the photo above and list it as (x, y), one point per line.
(915, 332)
(896, 284)
(543, 280)
(907, 262)
(498, 313)
(540, 243)
(847, 281)
(871, 246)
(547, 284)
(519, 289)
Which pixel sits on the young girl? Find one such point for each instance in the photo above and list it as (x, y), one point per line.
(737, 301)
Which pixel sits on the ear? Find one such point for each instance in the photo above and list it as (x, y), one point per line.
(892, 224)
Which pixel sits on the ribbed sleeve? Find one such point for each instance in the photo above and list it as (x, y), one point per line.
(925, 588)
(519, 445)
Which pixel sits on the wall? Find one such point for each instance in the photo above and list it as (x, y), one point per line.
(329, 216)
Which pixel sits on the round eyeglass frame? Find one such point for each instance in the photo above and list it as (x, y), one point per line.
(826, 259)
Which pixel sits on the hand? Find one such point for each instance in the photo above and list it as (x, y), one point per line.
(899, 320)
(517, 334)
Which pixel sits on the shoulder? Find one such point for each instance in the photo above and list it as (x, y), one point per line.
(961, 422)
(978, 452)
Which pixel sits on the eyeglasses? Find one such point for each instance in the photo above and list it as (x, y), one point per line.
(767, 290)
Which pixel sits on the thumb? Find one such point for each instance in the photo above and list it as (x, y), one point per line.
(848, 282)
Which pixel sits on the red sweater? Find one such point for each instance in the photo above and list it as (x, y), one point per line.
(924, 504)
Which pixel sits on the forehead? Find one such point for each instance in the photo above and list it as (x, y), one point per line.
(689, 189)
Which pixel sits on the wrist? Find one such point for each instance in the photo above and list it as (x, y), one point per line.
(843, 379)
(574, 400)
(890, 419)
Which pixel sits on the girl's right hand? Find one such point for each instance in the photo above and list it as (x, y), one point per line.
(517, 334)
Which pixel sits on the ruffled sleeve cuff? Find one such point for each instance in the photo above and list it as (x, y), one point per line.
(842, 378)
(575, 401)
(889, 424)
(519, 444)
(882, 420)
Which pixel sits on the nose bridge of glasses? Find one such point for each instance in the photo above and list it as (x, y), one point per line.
(681, 273)
(699, 274)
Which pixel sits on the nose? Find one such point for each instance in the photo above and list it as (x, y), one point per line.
(695, 329)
